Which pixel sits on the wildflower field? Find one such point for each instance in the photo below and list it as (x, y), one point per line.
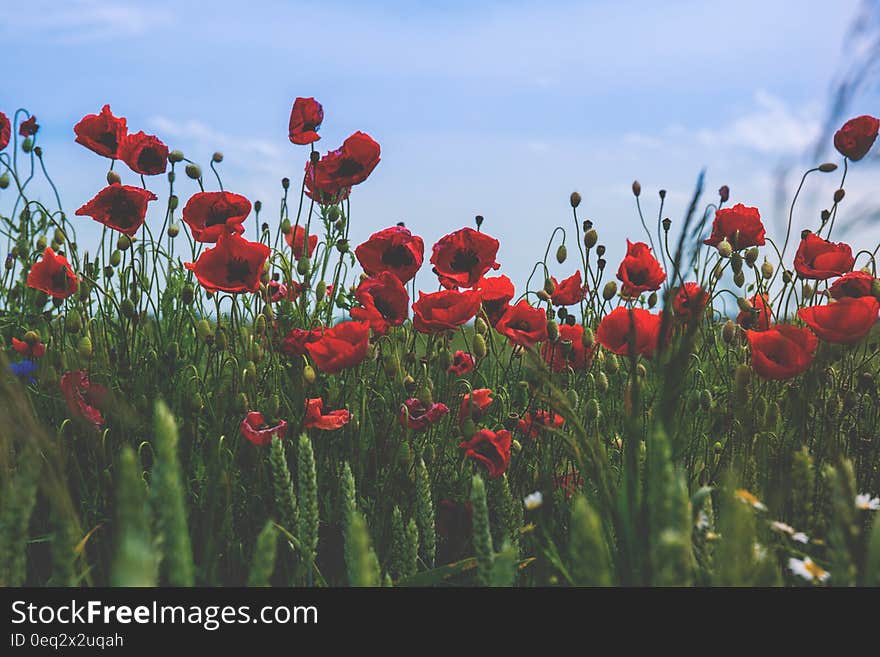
(226, 393)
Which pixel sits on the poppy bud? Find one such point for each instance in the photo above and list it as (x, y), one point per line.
(574, 199)
(309, 375)
(549, 287)
(173, 202)
(808, 291)
(561, 254)
(303, 266)
(552, 330)
(739, 279)
(542, 295)
(123, 243)
(838, 195)
(175, 156)
(204, 331)
(187, 294)
(480, 326)
(127, 308)
(108, 272)
(609, 291)
(728, 331)
(827, 167)
(115, 258)
(320, 290)
(637, 188)
(4, 180)
(612, 366)
(667, 224)
(724, 248)
(173, 230)
(724, 193)
(751, 256)
(786, 276)
(744, 304)
(84, 347)
(600, 263)
(286, 227)
(767, 269)
(220, 340)
(478, 220)
(59, 236)
(217, 157)
(588, 338)
(652, 299)
(590, 239)
(480, 349)
(9, 263)
(602, 382)
(194, 171)
(592, 411)
(27, 145)
(172, 176)
(600, 250)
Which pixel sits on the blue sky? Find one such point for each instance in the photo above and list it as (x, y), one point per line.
(492, 108)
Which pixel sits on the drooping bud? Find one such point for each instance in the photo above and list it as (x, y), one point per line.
(592, 411)
(728, 331)
(751, 256)
(320, 290)
(4, 180)
(303, 266)
(739, 279)
(767, 269)
(838, 195)
(574, 199)
(561, 254)
(827, 167)
(84, 347)
(602, 382)
(221, 341)
(786, 276)
(724, 248)
(194, 171)
(552, 330)
(309, 375)
(549, 286)
(123, 243)
(173, 230)
(480, 326)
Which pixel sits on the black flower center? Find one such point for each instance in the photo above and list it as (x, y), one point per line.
(349, 167)
(123, 211)
(59, 279)
(520, 325)
(385, 308)
(150, 159)
(218, 214)
(109, 140)
(238, 270)
(397, 256)
(464, 260)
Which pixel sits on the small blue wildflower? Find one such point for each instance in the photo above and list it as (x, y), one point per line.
(24, 369)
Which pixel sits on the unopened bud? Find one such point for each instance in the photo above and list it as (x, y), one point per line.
(574, 199)
(838, 195)
(309, 375)
(739, 279)
(724, 193)
(175, 156)
(767, 269)
(194, 171)
(652, 300)
(303, 266)
(590, 239)
(113, 178)
(728, 331)
(827, 167)
(724, 248)
(84, 347)
(808, 291)
(609, 291)
(561, 254)
(637, 188)
(552, 330)
(173, 230)
(480, 326)
(480, 349)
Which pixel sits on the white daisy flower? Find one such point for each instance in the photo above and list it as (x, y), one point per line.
(745, 496)
(782, 528)
(800, 537)
(533, 501)
(865, 502)
(808, 569)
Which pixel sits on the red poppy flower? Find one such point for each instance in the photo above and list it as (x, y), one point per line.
(759, 318)
(574, 355)
(212, 214)
(532, 424)
(616, 327)
(28, 127)
(569, 291)
(143, 153)
(317, 419)
(690, 300)
(444, 310)
(5, 131)
(462, 257)
(491, 449)
(385, 302)
(639, 271)
(856, 136)
(305, 121)
(843, 322)
(523, 325)
(474, 404)
(101, 133)
(296, 241)
(234, 265)
(496, 292)
(254, 428)
(462, 363)
(294, 343)
(820, 259)
(782, 351)
(418, 415)
(331, 178)
(83, 397)
(853, 284)
(343, 346)
(29, 348)
(393, 249)
(279, 291)
(120, 207)
(53, 275)
(740, 225)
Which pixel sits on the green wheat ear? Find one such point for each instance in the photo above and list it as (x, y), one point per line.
(482, 532)
(263, 564)
(587, 549)
(397, 558)
(509, 518)
(282, 486)
(307, 484)
(361, 561)
(411, 553)
(134, 563)
(504, 566)
(170, 502)
(425, 513)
